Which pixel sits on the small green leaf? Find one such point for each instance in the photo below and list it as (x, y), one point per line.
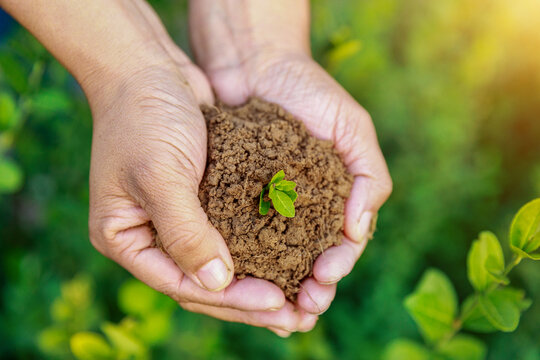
(90, 346)
(136, 298)
(486, 247)
(404, 349)
(49, 102)
(525, 230)
(15, 73)
(8, 111)
(292, 194)
(433, 305)
(278, 177)
(494, 269)
(517, 296)
(501, 310)
(476, 320)
(285, 185)
(282, 203)
(126, 344)
(463, 347)
(264, 206)
(154, 328)
(11, 176)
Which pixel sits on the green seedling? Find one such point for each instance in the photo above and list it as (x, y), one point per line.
(282, 194)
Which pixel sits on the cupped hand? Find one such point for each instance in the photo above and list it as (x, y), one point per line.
(148, 157)
(262, 50)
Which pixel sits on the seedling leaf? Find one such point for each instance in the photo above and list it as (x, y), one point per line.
(264, 206)
(292, 194)
(282, 203)
(282, 194)
(285, 185)
(278, 177)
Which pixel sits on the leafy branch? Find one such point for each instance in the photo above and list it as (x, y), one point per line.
(494, 306)
(282, 194)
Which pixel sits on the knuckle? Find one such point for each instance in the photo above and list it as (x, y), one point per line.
(387, 186)
(101, 233)
(185, 238)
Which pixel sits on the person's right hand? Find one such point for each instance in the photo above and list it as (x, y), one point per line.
(148, 157)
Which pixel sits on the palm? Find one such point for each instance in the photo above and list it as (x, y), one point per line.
(303, 88)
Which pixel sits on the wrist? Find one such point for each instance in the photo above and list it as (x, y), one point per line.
(226, 35)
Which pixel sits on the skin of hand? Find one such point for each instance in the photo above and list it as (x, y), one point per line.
(149, 155)
(261, 48)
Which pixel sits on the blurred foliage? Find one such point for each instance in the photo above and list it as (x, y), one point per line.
(494, 306)
(454, 90)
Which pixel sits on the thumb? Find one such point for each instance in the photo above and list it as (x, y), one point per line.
(186, 234)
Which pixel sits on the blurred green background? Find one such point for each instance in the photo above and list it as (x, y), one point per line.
(454, 90)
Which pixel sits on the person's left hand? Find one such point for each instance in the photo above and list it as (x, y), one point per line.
(244, 62)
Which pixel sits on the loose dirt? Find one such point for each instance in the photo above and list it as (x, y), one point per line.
(247, 145)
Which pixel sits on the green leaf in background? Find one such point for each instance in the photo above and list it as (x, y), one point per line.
(517, 296)
(53, 340)
(14, 72)
(476, 320)
(8, 111)
(154, 328)
(463, 347)
(49, 102)
(11, 176)
(282, 203)
(404, 349)
(486, 247)
(433, 305)
(501, 310)
(280, 175)
(136, 298)
(124, 342)
(525, 230)
(90, 346)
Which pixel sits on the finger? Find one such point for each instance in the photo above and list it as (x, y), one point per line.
(315, 298)
(169, 196)
(279, 332)
(286, 319)
(337, 261)
(157, 270)
(356, 140)
(307, 321)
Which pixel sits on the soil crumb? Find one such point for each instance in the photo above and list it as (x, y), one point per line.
(247, 145)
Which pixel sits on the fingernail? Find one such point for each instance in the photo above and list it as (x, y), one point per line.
(214, 275)
(365, 227)
(331, 282)
(308, 323)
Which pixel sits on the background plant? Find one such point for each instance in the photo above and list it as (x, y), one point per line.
(453, 87)
(494, 306)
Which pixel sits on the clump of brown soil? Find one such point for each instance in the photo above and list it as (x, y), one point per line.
(247, 145)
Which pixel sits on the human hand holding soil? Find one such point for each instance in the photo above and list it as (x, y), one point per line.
(261, 49)
(149, 155)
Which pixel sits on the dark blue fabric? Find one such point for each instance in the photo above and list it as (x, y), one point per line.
(6, 23)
